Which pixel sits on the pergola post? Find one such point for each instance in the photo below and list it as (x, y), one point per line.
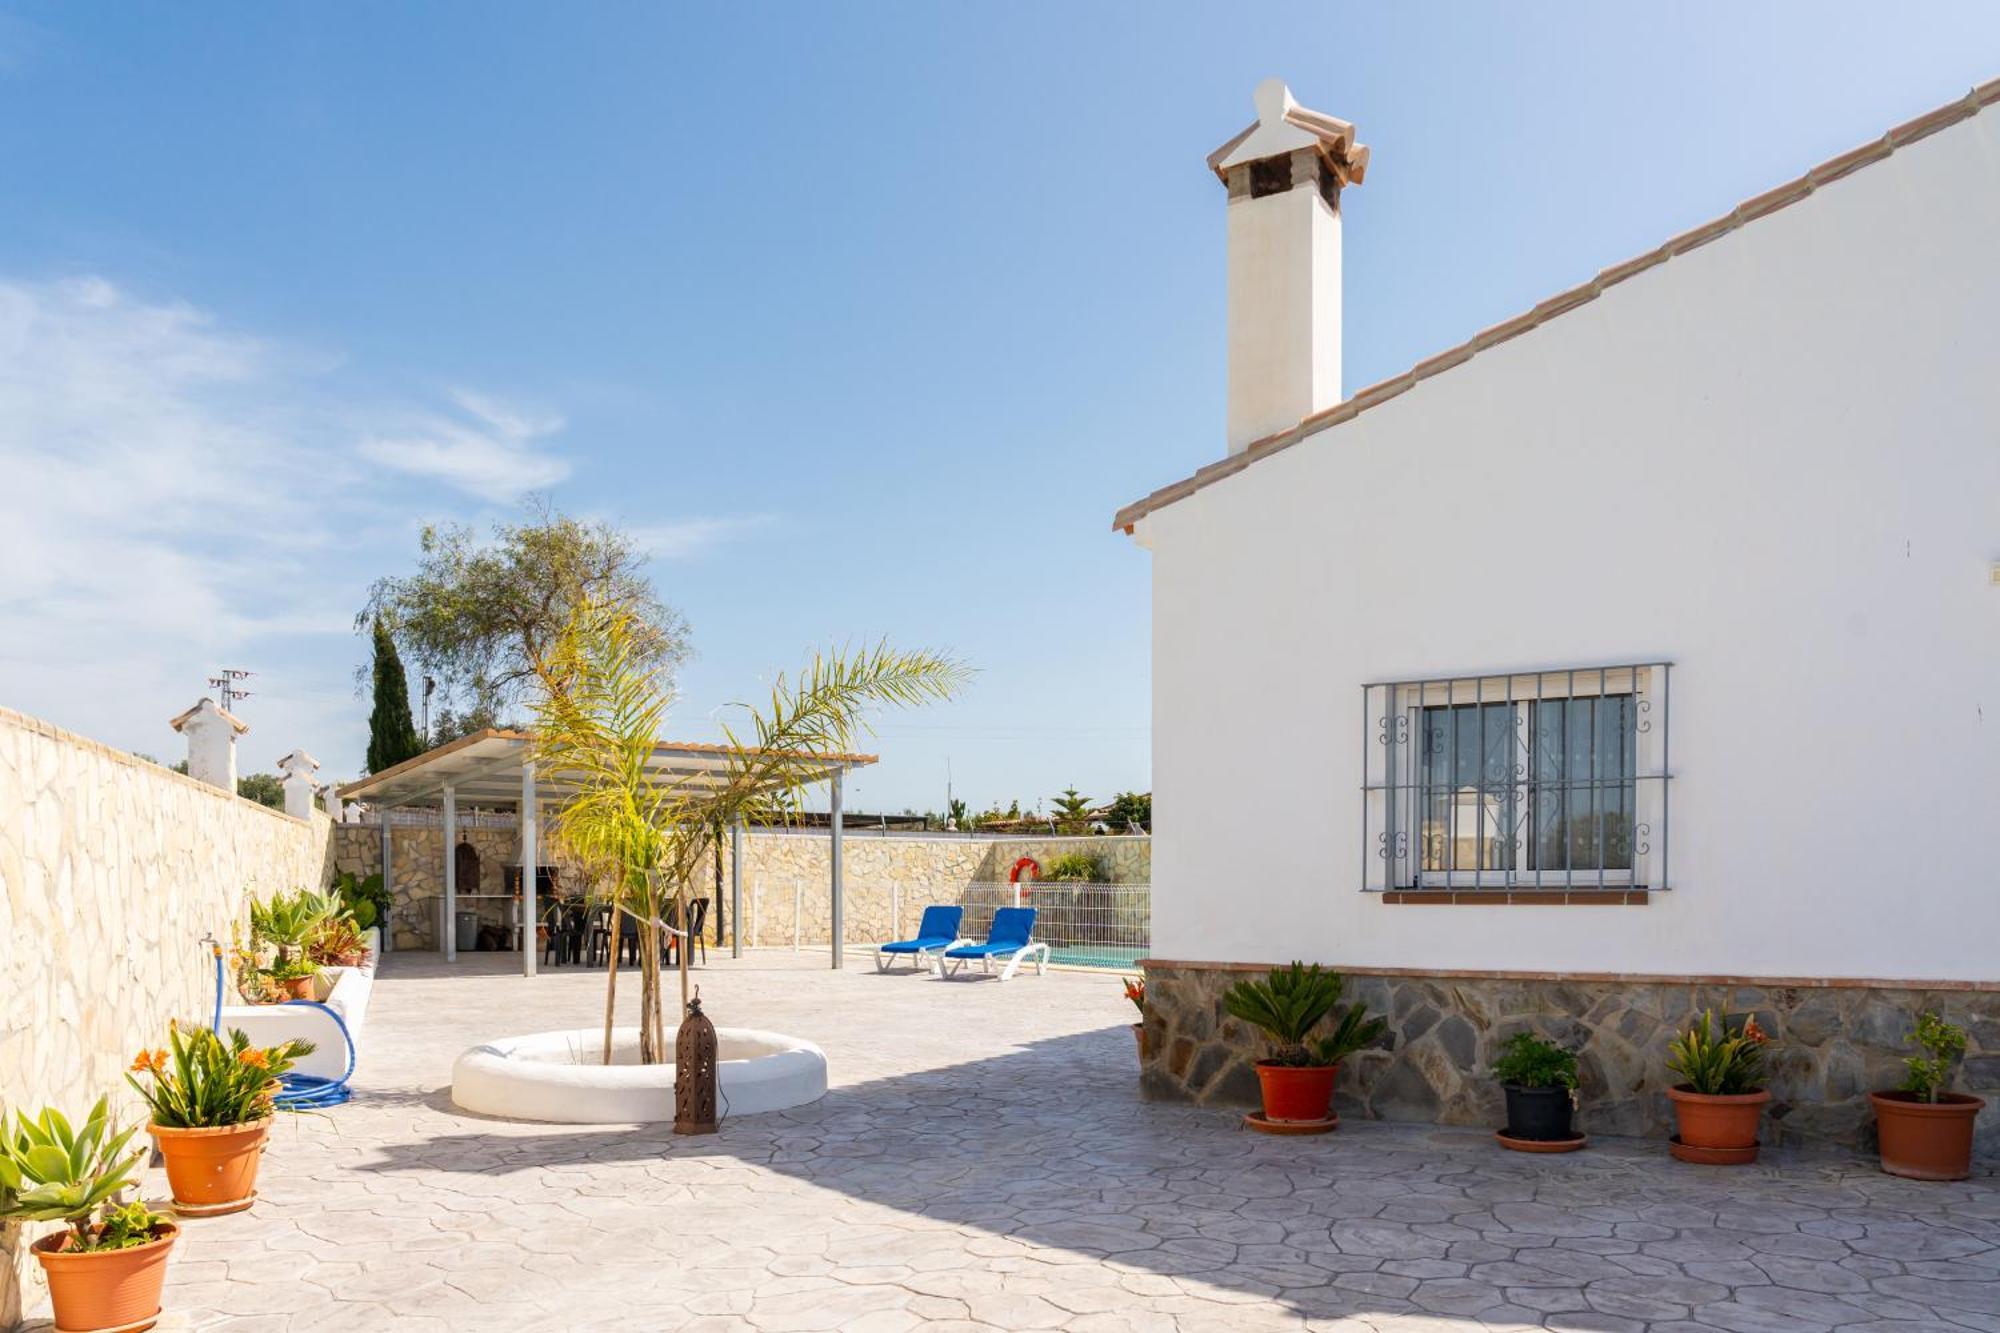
(450, 926)
(530, 860)
(388, 886)
(736, 889)
(839, 886)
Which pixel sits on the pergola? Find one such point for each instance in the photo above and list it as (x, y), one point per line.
(497, 768)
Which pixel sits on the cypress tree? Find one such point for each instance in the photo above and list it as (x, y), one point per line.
(392, 735)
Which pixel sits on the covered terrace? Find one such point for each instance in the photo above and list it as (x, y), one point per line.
(495, 769)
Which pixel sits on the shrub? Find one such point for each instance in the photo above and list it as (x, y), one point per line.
(1930, 1074)
(1529, 1061)
(1074, 868)
(366, 900)
(204, 1081)
(1718, 1060)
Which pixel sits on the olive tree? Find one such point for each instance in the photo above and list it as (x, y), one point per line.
(477, 616)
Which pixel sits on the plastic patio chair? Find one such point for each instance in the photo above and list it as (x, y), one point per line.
(936, 932)
(1011, 938)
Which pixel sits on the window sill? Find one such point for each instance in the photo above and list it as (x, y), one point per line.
(1518, 897)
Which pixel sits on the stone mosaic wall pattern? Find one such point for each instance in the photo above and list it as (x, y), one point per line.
(1831, 1045)
(785, 876)
(111, 870)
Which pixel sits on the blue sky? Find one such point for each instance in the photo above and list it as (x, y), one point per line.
(866, 317)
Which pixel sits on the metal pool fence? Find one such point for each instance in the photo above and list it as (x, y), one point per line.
(1084, 925)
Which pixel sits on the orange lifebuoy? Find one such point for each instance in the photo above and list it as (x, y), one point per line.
(1027, 863)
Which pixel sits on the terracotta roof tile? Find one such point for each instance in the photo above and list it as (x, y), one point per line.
(1759, 206)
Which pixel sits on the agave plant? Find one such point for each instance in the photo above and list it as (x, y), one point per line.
(53, 1172)
(287, 920)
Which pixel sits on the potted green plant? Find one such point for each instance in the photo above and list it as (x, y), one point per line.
(1296, 1080)
(212, 1102)
(106, 1267)
(1539, 1080)
(1923, 1129)
(286, 922)
(1719, 1100)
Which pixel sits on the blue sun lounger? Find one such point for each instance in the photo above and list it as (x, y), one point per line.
(1011, 938)
(936, 932)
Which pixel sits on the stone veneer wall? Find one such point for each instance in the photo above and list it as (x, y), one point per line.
(882, 873)
(111, 870)
(1832, 1042)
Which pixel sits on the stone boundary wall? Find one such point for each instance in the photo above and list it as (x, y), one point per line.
(886, 876)
(1832, 1042)
(111, 870)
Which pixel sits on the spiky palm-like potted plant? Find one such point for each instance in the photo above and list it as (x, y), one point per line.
(1297, 1078)
(1924, 1129)
(108, 1264)
(1720, 1098)
(1539, 1080)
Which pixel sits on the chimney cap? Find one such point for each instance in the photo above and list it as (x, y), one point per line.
(299, 759)
(205, 708)
(1282, 126)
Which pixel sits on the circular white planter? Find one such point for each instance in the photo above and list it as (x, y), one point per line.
(557, 1077)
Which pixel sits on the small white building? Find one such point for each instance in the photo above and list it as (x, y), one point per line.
(1639, 653)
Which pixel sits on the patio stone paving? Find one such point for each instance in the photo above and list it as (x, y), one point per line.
(983, 1162)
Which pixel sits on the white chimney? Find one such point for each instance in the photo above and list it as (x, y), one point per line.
(298, 768)
(211, 740)
(1285, 174)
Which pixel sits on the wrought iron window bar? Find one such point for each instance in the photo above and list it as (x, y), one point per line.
(1564, 780)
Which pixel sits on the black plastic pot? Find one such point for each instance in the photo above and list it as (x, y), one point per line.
(1538, 1113)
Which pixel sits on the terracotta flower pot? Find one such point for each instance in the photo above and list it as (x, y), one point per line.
(1926, 1140)
(1717, 1129)
(1139, 1035)
(106, 1288)
(212, 1171)
(1296, 1092)
(297, 988)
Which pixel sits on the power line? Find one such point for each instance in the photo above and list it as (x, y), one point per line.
(224, 685)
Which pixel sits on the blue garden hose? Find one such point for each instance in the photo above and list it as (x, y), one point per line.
(297, 1092)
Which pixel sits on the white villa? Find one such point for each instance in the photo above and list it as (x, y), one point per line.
(1638, 654)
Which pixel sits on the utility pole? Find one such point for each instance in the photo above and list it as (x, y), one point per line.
(224, 685)
(430, 688)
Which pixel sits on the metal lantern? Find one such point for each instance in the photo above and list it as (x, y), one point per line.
(694, 1072)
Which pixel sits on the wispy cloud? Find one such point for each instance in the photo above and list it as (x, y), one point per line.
(492, 452)
(683, 539)
(179, 495)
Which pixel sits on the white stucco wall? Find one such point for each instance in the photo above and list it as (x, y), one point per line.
(1774, 461)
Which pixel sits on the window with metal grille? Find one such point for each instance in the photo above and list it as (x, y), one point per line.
(1546, 780)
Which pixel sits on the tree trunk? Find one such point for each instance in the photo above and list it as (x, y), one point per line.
(685, 939)
(611, 985)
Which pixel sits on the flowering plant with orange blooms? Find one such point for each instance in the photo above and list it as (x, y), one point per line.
(1135, 991)
(204, 1081)
(1718, 1060)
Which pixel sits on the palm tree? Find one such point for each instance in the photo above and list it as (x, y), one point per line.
(600, 705)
